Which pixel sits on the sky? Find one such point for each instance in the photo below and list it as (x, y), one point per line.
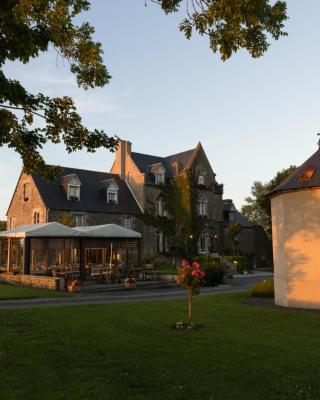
(253, 117)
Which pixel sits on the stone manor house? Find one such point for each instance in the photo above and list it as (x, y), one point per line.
(132, 186)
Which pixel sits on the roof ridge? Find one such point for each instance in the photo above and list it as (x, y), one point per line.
(80, 169)
(163, 157)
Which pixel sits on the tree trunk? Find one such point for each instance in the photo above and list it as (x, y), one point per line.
(189, 305)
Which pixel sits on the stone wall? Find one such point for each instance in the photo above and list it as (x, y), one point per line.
(125, 167)
(42, 282)
(97, 218)
(23, 209)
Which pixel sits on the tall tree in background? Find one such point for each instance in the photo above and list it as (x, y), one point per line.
(29, 27)
(258, 206)
(181, 224)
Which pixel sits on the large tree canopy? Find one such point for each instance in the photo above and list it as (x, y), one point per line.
(231, 25)
(258, 206)
(29, 27)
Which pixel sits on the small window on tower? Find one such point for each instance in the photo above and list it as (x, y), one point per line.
(307, 174)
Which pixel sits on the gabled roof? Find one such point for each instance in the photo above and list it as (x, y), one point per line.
(51, 229)
(143, 161)
(91, 198)
(228, 207)
(108, 230)
(294, 181)
(54, 229)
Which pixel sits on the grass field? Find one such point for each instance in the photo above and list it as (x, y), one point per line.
(129, 351)
(10, 292)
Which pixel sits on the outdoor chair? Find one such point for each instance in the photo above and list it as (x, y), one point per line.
(95, 272)
(106, 273)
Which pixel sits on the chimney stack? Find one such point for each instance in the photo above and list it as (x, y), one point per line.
(123, 151)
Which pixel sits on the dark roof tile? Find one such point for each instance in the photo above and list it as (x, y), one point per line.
(294, 183)
(91, 197)
(143, 161)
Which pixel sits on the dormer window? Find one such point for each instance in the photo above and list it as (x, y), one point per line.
(73, 192)
(307, 174)
(71, 186)
(112, 197)
(160, 178)
(109, 189)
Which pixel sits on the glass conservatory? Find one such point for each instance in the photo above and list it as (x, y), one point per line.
(52, 249)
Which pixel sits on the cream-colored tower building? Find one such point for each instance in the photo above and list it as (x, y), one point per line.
(295, 206)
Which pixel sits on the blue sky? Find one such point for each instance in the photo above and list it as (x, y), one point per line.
(253, 117)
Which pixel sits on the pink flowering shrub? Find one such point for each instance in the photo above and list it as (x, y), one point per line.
(189, 277)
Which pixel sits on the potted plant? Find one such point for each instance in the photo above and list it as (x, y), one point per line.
(130, 282)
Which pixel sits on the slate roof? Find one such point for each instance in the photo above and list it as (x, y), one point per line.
(238, 217)
(143, 161)
(292, 182)
(91, 196)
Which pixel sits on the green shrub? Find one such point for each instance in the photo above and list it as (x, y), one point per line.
(214, 274)
(204, 260)
(240, 261)
(263, 289)
(163, 263)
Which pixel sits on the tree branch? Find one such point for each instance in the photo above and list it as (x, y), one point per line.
(25, 110)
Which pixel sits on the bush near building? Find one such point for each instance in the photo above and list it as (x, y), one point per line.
(240, 261)
(263, 289)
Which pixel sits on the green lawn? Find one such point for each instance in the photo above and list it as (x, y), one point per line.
(10, 292)
(129, 351)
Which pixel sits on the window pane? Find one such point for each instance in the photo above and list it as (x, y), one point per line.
(3, 255)
(17, 246)
(38, 262)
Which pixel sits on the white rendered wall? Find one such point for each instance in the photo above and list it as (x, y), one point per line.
(296, 248)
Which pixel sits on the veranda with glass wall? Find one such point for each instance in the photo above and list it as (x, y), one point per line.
(106, 252)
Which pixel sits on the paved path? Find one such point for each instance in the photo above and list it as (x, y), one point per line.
(239, 283)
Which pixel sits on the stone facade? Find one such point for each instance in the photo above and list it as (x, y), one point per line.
(146, 191)
(41, 282)
(23, 205)
(35, 208)
(97, 218)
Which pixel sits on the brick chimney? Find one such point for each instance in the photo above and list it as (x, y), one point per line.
(123, 151)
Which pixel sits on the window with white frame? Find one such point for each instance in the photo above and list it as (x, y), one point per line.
(73, 192)
(128, 222)
(201, 179)
(231, 216)
(162, 243)
(26, 191)
(112, 197)
(203, 244)
(36, 217)
(79, 220)
(160, 178)
(160, 208)
(202, 205)
(13, 222)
